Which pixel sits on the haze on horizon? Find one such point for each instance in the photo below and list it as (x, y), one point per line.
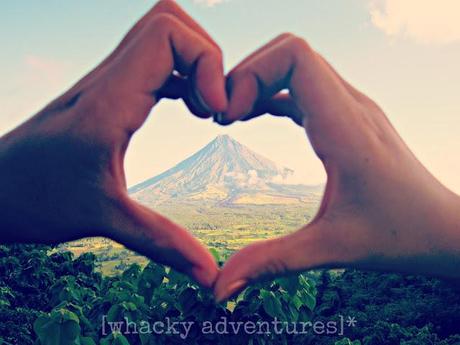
(402, 53)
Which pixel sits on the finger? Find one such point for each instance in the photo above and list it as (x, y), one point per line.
(165, 45)
(162, 7)
(288, 64)
(263, 260)
(174, 88)
(179, 87)
(192, 99)
(220, 118)
(152, 235)
(165, 7)
(171, 7)
(281, 104)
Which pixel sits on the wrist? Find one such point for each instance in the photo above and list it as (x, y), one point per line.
(441, 233)
(449, 229)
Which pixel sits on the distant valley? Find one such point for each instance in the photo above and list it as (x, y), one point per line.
(226, 194)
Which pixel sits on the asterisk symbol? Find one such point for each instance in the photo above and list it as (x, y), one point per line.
(351, 321)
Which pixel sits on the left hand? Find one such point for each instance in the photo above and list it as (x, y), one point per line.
(61, 173)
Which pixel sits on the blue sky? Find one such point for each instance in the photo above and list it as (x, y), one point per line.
(402, 53)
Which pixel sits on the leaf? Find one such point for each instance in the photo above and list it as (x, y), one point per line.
(296, 302)
(290, 284)
(114, 313)
(115, 339)
(307, 299)
(86, 341)
(176, 278)
(120, 339)
(58, 328)
(145, 338)
(151, 277)
(272, 305)
(187, 300)
(215, 254)
(4, 342)
(294, 312)
(125, 285)
(347, 341)
(132, 273)
(129, 306)
(64, 315)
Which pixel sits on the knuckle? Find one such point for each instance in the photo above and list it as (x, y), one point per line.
(285, 36)
(162, 21)
(241, 72)
(163, 5)
(216, 54)
(237, 75)
(299, 45)
(212, 51)
(217, 51)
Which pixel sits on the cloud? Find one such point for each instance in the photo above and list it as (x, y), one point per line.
(253, 177)
(425, 21)
(244, 180)
(209, 3)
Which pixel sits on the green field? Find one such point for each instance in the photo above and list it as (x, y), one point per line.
(224, 227)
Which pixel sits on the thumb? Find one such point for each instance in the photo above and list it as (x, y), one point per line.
(150, 234)
(304, 249)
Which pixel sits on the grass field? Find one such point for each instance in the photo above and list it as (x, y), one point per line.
(224, 227)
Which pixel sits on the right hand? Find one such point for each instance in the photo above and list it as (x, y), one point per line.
(381, 208)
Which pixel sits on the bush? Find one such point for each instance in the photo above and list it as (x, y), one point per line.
(57, 299)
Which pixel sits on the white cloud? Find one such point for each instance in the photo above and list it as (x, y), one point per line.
(426, 21)
(253, 177)
(208, 3)
(292, 178)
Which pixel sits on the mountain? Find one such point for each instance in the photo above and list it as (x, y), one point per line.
(225, 171)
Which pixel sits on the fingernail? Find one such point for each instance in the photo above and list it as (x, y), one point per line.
(202, 103)
(220, 119)
(204, 276)
(231, 289)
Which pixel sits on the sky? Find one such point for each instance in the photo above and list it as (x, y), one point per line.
(403, 53)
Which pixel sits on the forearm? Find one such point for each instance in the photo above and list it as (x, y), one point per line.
(426, 241)
(449, 237)
(16, 217)
(28, 176)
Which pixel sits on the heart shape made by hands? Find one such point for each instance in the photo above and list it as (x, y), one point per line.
(375, 186)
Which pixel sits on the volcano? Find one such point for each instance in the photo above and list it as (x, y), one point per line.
(224, 171)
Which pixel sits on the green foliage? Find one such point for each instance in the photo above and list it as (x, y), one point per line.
(54, 299)
(71, 305)
(225, 229)
(60, 327)
(216, 255)
(346, 341)
(391, 308)
(27, 277)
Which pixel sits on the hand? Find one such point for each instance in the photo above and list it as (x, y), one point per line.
(62, 174)
(381, 208)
